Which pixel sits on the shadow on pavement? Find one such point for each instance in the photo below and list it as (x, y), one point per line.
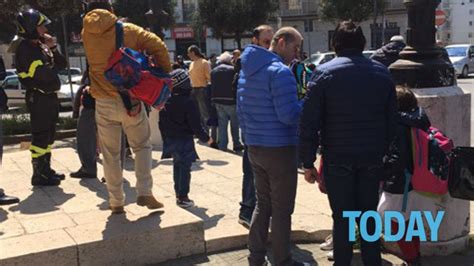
(40, 202)
(118, 224)
(209, 221)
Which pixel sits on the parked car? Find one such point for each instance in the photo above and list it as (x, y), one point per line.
(8, 73)
(320, 58)
(76, 75)
(16, 93)
(462, 57)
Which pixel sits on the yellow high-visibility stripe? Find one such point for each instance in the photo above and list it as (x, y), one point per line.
(31, 70)
(48, 150)
(37, 150)
(40, 20)
(34, 155)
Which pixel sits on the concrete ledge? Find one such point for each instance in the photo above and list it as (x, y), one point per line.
(138, 242)
(46, 248)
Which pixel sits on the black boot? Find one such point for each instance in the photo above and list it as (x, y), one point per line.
(51, 170)
(41, 175)
(6, 200)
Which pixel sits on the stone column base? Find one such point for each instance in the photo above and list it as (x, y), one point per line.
(449, 109)
(427, 249)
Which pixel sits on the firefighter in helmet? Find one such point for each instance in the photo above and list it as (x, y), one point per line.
(38, 62)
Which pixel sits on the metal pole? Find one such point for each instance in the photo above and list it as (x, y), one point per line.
(383, 28)
(374, 42)
(67, 56)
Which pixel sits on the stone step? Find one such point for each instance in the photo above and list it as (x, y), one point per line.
(71, 225)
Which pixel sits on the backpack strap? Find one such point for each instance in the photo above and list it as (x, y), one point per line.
(118, 35)
(127, 101)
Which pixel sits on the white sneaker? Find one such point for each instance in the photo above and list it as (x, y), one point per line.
(184, 203)
(328, 244)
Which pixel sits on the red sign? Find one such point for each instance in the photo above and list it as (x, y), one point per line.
(183, 33)
(440, 17)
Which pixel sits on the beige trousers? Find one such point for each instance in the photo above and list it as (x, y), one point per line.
(112, 117)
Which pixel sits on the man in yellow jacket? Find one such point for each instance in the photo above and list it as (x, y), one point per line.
(111, 115)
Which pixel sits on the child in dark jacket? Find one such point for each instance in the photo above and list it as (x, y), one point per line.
(179, 122)
(409, 116)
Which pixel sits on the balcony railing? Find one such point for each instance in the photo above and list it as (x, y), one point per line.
(298, 8)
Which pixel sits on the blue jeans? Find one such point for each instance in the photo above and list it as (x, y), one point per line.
(184, 154)
(352, 188)
(224, 114)
(247, 205)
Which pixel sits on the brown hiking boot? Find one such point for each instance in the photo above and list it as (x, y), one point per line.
(117, 209)
(150, 202)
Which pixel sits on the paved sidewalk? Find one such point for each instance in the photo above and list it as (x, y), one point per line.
(75, 213)
(312, 254)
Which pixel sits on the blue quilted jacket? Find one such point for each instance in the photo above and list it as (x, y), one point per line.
(267, 103)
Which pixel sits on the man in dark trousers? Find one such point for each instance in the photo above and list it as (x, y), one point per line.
(268, 110)
(86, 130)
(223, 97)
(38, 61)
(351, 108)
(262, 36)
(4, 199)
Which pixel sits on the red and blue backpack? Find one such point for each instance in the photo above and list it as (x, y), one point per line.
(431, 161)
(132, 73)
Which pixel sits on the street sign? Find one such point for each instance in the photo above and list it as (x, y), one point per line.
(440, 17)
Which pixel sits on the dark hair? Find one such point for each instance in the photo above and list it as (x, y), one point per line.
(98, 5)
(348, 36)
(195, 50)
(406, 99)
(256, 32)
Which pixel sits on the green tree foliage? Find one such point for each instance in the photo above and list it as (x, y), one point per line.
(134, 11)
(235, 17)
(337, 10)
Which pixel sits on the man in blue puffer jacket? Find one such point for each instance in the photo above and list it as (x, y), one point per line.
(268, 111)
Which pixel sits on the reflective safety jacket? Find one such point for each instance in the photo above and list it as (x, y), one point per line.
(38, 66)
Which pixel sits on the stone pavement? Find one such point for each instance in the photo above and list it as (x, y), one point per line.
(70, 224)
(312, 254)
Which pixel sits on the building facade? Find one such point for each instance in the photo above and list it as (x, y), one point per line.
(305, 16)
(181, 35)
(459, 25)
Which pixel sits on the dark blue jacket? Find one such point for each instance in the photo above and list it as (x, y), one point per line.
(352, 103)
(222, 91)
(388, 53)
(267, 103)
(402, 146)
(180, 117)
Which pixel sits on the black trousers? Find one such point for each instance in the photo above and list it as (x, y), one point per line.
(275, 171)
(44, 113)
(353, 188)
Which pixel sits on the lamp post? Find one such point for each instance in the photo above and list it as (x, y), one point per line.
(422, 64)
(424, 69)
